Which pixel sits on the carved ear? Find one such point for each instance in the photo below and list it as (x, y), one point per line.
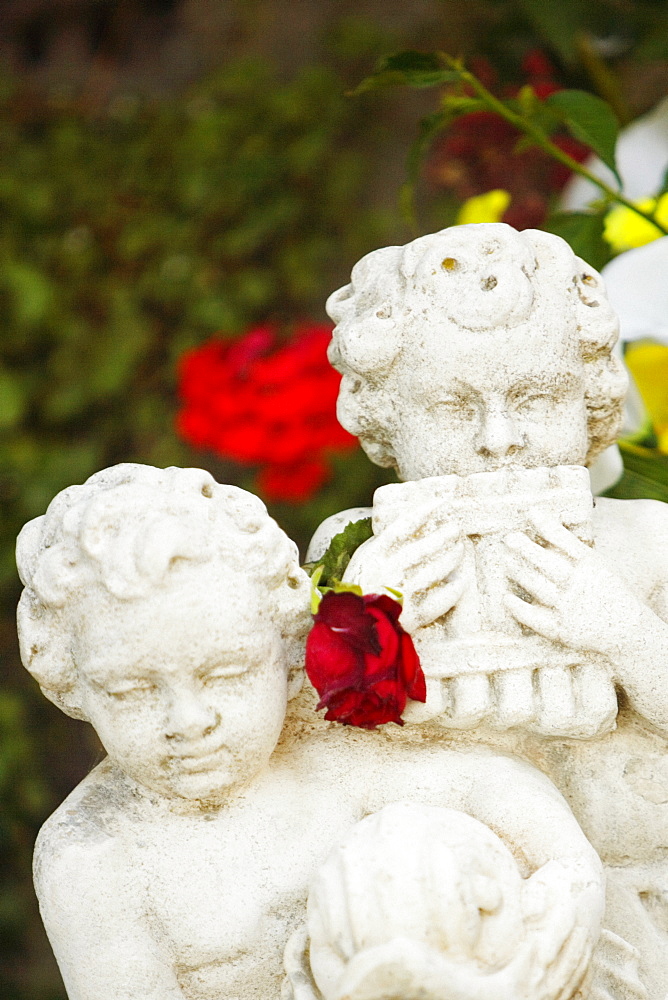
(27, 548)
(369, 345)
(339, 303)
(597, 321)
(44, 643)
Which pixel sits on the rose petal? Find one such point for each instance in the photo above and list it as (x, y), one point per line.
(331, 663)
(411, 669)
(364, 709)
(345, 613)
(386, 662)
(384, 603)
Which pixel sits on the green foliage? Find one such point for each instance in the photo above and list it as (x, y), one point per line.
(334, 561)
(587, 117)
(645, 474)
(590, 120)
(127, 239)
(130, 238)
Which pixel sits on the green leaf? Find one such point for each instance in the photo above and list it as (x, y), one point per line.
(583, 231)
(339, 553)
(590, 120)
(316, 596)
(408, 69)
(346, 588)
(645, 475)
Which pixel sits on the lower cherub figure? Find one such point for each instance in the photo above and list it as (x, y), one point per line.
(169, 611)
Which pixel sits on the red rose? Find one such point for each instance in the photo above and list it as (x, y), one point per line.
(361, 662)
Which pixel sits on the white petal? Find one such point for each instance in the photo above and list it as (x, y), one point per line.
(606, 470)
(637, 286)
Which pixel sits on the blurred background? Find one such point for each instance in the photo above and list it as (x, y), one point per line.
(182, 184)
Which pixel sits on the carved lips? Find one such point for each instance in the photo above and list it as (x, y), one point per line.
(361, 662)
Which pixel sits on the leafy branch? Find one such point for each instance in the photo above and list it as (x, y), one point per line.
(588, 118)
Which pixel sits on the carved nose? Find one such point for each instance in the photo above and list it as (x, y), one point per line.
(189, 716)
(498, 436)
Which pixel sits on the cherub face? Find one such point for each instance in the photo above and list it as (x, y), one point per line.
(475, 402)
(186, 687)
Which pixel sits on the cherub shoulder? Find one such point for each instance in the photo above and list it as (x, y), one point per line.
(633, 535)
(81, 839)
(638, 524)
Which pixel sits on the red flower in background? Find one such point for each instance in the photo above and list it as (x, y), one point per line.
(260, 401)
(477, 153)
(361, 662)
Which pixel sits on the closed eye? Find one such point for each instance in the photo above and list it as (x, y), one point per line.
(526, 402)
(460, 407)
(136, 691)
(221, 673)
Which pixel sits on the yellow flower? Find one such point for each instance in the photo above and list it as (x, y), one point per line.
(488, 207)
(624, 230)
(648, 363)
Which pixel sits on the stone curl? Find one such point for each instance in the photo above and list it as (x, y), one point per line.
(126, 531)
(475, 278)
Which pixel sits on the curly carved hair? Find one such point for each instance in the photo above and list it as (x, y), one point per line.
(127, 530)
(478, 277)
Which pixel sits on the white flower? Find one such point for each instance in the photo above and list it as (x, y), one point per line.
(637, 286)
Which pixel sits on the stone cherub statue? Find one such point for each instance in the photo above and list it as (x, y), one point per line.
(478, 363)
(169, 611)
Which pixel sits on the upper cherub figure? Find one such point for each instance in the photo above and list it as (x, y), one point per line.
(483, 357)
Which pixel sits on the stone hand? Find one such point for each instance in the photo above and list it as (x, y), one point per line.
(419, 555)
(573, 597)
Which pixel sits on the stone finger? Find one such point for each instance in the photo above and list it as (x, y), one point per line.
(471, 700)
(549, 563)
(556, 706)
(555, 533)
(514, 696)
(431, 605)
(533, 616)
(595, 698)
(443, 547)
(533, 582)
(436, 572)
(415, 526)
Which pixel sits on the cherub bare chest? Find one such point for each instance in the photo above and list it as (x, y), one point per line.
(224, 890)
